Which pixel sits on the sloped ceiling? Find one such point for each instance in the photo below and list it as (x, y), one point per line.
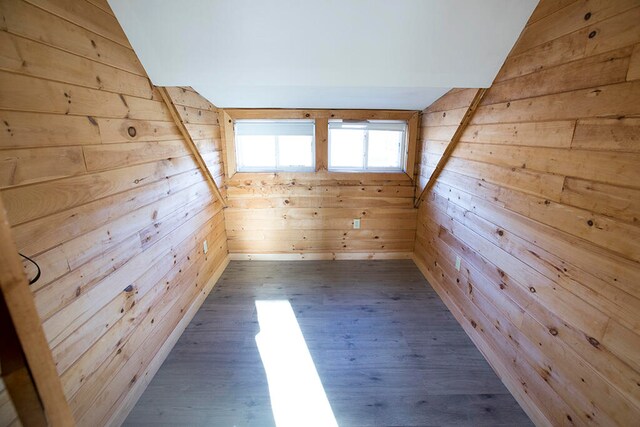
(377, 54)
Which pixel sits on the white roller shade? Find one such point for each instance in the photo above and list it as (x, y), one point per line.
(272, 128)
(399, 126)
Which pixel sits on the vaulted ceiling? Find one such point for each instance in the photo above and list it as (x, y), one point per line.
(384, 54)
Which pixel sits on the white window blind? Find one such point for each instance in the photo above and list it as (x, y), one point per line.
(367, 146)
(275, 145)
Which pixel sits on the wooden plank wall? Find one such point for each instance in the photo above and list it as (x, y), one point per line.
(104, 193)
(541, 201)
(310, 215)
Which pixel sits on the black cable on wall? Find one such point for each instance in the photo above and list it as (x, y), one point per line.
(35, 279)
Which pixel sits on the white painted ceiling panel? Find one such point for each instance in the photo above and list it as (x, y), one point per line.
(401, 54)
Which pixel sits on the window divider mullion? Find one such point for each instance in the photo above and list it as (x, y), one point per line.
(277, 153)
(365, 160)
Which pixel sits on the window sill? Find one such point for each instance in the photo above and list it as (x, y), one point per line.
(242, 178)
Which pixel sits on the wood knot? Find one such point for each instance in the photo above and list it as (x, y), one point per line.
(594, 342)
(128, 288)
(131, 131)
(590, 223)
(532, 289)
(587, 16)
(592, 34)
(474, 324)
(553, 331)
(500, 233)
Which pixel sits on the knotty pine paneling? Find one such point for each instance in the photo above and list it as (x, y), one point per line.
(103, 192)
(201, 121)
(540, 203)
(310, 215)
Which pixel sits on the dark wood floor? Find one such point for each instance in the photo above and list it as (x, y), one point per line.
(387, 351)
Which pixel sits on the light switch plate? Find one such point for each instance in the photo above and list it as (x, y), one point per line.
(205, 247)
(356, 223)
(458, 262)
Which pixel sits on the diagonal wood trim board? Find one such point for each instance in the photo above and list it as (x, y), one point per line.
(28, 328)
(466, 119)
(127, 404)
(192, 145)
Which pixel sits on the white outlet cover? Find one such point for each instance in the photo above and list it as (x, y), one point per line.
(458, 262)
(356, 223)
(205, 247)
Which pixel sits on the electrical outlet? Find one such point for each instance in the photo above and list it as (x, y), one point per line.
(356, 223)
(458, 262)
(205, 247)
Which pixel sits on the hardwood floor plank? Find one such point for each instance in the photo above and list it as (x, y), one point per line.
(387, 351)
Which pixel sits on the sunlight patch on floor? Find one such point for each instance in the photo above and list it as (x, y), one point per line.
(297, 395)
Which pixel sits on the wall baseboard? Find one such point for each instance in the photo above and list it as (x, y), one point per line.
(536, 415)
(319, 256)
(121, 413)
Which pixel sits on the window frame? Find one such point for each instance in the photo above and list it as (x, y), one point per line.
(228, 116)
(369, 125)
(277, 168)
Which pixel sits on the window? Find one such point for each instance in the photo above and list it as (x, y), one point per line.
(375, 145)
(275, 145)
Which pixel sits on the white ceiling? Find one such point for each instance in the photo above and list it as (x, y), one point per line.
(380, 54)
